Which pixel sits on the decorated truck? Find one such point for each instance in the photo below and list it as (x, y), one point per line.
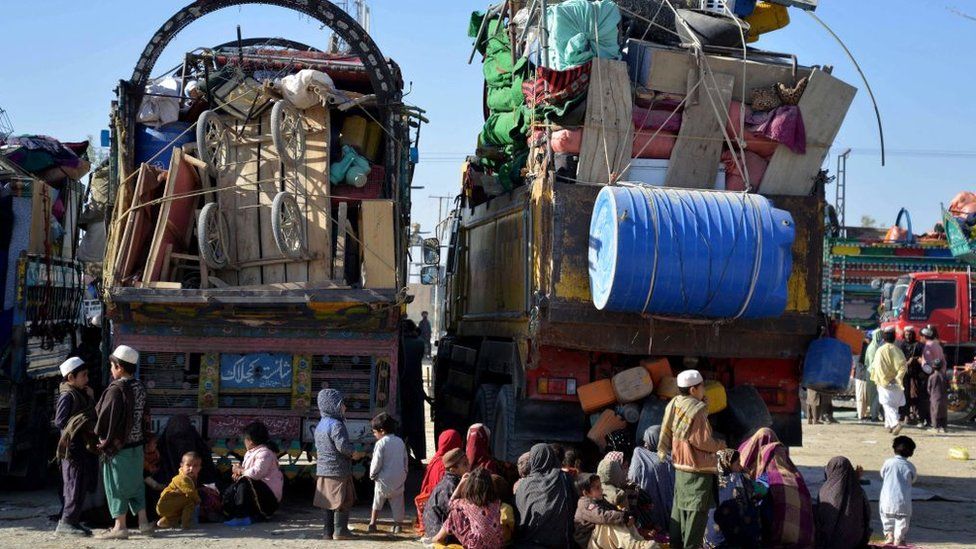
(257, 251)
(42, 291)
(600, 222)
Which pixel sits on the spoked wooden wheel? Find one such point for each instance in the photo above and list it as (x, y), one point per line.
(213, 236)
(288, 133)
(288, 226)
(213, 142)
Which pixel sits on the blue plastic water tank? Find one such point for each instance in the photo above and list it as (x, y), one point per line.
(690, 253)
(150, 141)
(827, 365)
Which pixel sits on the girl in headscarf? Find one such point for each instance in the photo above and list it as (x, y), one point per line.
(546, 502)
(334, 489)
(843, 514)
(787, 509)
(654, 478)
(448, 440)
(475, 514)
(478, 448)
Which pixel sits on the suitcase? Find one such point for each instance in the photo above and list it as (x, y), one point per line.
(659, 369)
(668, 388)
(607, 423)
(715, 396)
(596, 395)
(632, 384)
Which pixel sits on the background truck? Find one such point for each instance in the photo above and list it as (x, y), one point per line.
(523, 333)
(40, 308)
(245, 278)
(943, 300)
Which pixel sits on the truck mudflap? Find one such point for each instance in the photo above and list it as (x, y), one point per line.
(520, 424)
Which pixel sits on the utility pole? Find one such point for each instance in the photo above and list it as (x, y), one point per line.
(840, 195)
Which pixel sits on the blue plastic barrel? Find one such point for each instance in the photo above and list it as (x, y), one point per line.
(827, 365)
(689, 253)
(150, 141)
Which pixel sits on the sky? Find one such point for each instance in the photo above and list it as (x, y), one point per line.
(63, 58)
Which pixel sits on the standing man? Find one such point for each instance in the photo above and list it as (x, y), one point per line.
(122, 428)
(912, 348)
(862, 379)
(425, 333)
(412, 394)
(874, 407)
(890, 367)
(687, 436)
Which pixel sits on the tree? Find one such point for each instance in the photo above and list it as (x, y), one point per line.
(868, 221)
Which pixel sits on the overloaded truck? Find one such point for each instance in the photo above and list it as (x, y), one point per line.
(42, 292)
(257, 251)
(598, 229)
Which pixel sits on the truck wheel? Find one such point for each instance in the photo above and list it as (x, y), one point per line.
(484, 404)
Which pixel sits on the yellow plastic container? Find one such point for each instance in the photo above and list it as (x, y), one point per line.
(596, 395)
(765, 18)
(715, 396)
(632, 384)
(354, 130)
(668, 388)
(374, 137)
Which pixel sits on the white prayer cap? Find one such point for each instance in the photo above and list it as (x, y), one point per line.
(888, 329)
(71, 365)
(909, 328)
(97, 320)
(689, 378)
(126, 354)
(927, 331)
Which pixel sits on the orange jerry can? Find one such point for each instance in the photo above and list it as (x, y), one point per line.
(659, 369)
(850, 335)
(596, 395)
(668, 388)
(632, 384)
(607, 423)
(715, 396)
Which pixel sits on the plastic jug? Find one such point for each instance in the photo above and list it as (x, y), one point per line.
(632, 384)
(596, 395)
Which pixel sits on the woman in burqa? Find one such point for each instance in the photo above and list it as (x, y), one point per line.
(843, 515)
(546, 502)
(654, 477)
(178, 438)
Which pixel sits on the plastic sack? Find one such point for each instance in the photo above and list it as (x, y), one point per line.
(306, 88)
(161, 104)
(959, 453)
(580, 30)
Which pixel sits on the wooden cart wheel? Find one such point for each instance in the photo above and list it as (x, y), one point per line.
(288, 226)
(213, 236)
(288, 133)
(213, 142)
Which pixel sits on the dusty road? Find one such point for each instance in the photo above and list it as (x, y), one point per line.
(937, 523)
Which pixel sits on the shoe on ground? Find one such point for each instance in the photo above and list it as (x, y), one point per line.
(147, 529)
(113, 534)
(327, 535)
(397, 530)
(163, 522)
(372, 529)
(343, 534)
(897, 429)
(68, 529)
(889, 539)
(942, 430)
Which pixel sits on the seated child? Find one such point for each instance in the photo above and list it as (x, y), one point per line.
(571, 463)
(180, 499)
(601, 525)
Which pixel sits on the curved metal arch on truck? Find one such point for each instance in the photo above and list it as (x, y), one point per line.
(385, 81)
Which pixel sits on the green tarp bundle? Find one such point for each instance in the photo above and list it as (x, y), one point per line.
(580, 30)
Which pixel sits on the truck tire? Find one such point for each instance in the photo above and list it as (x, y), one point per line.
(485, 400)
(504, 443)
(745, 413)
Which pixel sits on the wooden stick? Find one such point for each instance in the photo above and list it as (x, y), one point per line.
(339, 264)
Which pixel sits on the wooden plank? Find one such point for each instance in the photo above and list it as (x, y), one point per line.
(269, 172)
(377, 234)
(824, 105)
(608, 132)
(165, 285)
(339, 264)
(244, 227)
(319, 205)
(175, 216)
(698, 150)
(664, 69)
(41, 205)
(137, 222)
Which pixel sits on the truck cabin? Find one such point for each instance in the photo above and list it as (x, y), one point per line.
(940, 299)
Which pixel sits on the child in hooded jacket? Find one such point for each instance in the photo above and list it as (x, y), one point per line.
(334, 490)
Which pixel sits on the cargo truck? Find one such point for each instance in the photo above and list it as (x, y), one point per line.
(522, 331)
(244, 276)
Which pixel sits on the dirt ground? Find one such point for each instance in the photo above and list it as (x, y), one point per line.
(947, 521)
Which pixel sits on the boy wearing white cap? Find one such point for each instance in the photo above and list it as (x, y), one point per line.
(687, 436)
(75, 417)
(122, 429)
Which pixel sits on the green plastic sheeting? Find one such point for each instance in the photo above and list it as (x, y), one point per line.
(506, 99)
(505, 128)
(580, 30)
